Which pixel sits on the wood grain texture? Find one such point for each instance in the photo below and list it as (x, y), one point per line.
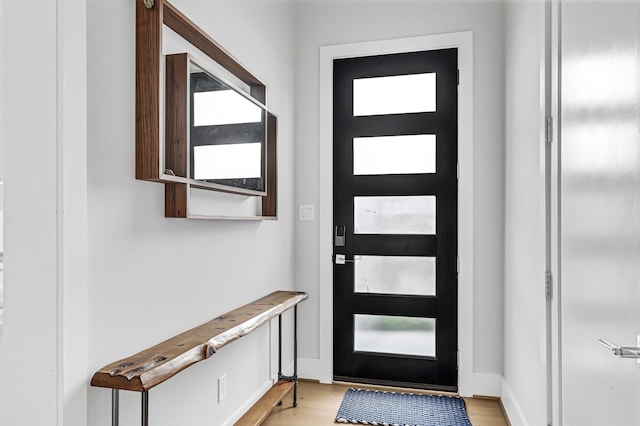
(176, 132)
(176, 196)
(270, 202)
(182, 25)
(152, 366)
(177, 113)
(259, 412)
(148, 54)
(149, 24)
(318, 405)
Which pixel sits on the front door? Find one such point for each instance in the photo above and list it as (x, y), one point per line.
(395, 219)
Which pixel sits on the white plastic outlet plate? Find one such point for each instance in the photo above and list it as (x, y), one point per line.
(222, 388)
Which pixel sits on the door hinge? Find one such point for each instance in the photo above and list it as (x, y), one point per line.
(458, 77)
(548, 129)
(458, 265)
(458, 171)
(548, 285)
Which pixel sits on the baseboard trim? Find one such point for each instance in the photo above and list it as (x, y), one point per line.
(486, 384)
(511, 408)
(248, 404)
(504, 412)
(309, 368)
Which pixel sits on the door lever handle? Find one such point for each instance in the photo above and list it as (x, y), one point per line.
(621, 351)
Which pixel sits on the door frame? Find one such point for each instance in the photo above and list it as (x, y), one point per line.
(553, 109)
(469, 383)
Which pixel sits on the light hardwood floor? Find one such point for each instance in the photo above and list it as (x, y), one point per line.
(318, 405)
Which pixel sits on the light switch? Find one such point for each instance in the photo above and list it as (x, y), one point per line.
(307, 212)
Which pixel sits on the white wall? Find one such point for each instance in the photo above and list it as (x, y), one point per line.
(524, 385)
(72, 210)
(321, 23)
(30, 132)
(150, 277)
(45, 133)
(2, 379)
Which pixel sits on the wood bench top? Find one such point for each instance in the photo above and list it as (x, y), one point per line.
(152, 366)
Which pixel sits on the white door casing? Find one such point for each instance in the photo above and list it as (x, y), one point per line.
(464, 42)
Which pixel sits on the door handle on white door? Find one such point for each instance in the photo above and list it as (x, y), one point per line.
(621, 351)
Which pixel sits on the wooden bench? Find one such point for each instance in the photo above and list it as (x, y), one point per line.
(152, 366)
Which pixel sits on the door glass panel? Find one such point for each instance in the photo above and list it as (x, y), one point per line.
(410, 275)
(414, 215)
(385, 155)
(395, 335)
(398, 94)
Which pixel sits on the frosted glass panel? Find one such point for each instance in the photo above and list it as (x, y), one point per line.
(599, 221)
(223, 107)
(398, 94)
(410, 275)
(230, 161)
(395, 335)
(414, 215)
(394, 155)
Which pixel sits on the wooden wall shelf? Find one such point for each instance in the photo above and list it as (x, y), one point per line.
(149, 163)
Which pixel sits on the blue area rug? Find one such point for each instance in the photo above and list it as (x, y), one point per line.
(369, 407)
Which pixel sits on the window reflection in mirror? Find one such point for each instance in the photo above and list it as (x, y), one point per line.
(227, 134)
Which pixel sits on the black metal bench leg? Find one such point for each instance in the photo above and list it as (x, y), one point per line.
(145, 408)
(295, 355)
(115, 407)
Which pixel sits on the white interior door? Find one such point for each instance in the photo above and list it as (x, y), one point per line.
(599, 212)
